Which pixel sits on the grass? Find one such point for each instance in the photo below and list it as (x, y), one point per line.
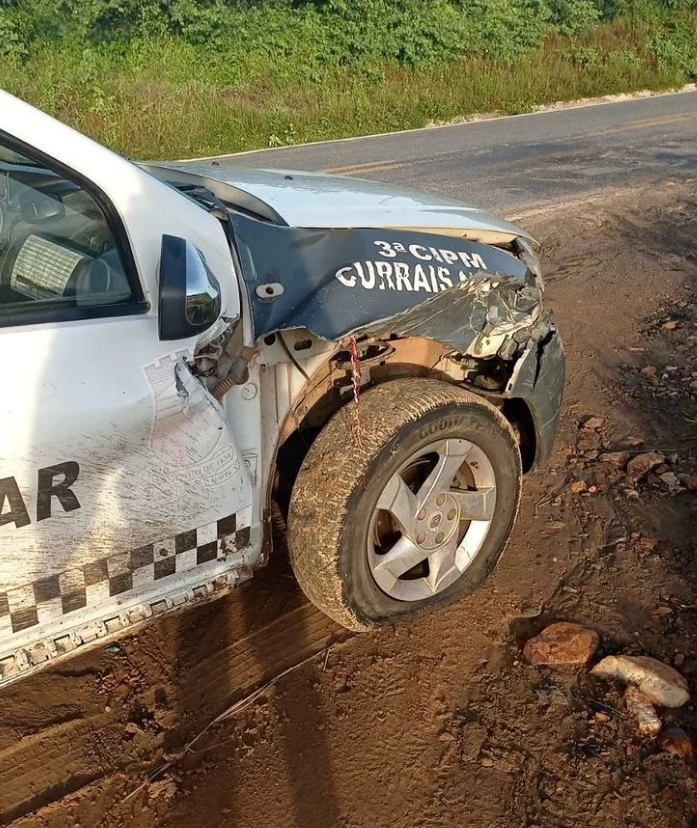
(166, 98)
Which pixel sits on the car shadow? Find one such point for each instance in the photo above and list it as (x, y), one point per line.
(234, 647)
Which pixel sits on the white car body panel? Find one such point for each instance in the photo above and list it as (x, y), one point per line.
(162, 504)
(153, 465)
(316, 200)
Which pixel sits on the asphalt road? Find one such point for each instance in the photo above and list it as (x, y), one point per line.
(515, 164)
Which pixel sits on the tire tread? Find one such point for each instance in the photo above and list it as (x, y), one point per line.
(336, 466)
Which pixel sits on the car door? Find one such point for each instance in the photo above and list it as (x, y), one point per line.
(122, 489)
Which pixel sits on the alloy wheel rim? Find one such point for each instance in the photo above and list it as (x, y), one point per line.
(431, 519)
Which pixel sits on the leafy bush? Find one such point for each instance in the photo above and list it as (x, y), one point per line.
(321, 32)
(574, 17)
(407, 31)
(13, 36)
(676, 45)
(587, 57)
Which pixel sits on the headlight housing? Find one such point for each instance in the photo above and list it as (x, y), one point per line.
(526, 252)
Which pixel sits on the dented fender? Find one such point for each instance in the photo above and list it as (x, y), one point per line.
(475, 299)
(538, 379)
(338, 283)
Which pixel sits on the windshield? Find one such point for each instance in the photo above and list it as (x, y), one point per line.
(9, 156)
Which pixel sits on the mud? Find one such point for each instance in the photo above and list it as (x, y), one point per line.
(440, 723)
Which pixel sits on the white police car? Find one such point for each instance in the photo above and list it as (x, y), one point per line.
(181, 344)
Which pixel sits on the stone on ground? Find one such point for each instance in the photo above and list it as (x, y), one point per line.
(615, 458)
(642, 464)
(674, 740)
(562, 644)
(643, 712)
(661, 684)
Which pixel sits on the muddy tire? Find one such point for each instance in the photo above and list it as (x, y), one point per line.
(435, 481)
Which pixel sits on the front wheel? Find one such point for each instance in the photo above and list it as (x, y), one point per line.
(414, 515)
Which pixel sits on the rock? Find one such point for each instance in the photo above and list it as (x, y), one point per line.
(615, 458)
(689, 481)
(671, 325)
(446, 736)
(602, 718)
(562, 644)
(643, 711)
(679, 660)
(661, 684)
(629, 442)
(674, 740)
(578, 486)
(593, 423)
(649, 371)
(670, 479)
(165, 789)
(642, 464)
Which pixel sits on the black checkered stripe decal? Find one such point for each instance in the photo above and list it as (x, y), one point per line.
(51, 598)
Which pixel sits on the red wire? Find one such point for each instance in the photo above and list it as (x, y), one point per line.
(356, 426)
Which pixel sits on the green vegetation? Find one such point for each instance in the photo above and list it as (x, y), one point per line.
(175, 78)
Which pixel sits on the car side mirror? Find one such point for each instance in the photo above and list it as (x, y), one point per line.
(189, 301)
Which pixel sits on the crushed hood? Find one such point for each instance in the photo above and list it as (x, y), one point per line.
(314, 200)
(335, 283)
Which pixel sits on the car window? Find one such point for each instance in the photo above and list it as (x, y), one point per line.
(57, 250)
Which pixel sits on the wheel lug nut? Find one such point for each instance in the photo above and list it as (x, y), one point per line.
(420, 538)
(452, 514)
(440, 537)
(421, 515)
(440, 500)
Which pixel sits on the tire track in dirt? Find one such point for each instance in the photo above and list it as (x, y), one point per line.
(209, 667)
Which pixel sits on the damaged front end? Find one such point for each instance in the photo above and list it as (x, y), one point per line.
(481, 304)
